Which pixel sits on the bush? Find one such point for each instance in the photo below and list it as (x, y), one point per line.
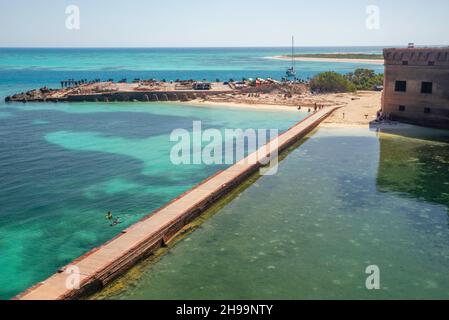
(360, 79)
(331, 82)
(365, 79)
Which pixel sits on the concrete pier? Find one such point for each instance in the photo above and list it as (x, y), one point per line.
(103, 264)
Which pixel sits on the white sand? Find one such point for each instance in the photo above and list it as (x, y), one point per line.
(271, 107)
(357, 109)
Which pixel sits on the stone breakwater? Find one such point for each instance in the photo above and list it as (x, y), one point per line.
(111, 92)
(150, 96)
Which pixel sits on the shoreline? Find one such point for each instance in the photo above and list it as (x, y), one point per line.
(242, 105)
(357, 109)
(337, 60)
(99, 268)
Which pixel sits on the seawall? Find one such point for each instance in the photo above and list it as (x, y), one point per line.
(101, 265)
(124, 96)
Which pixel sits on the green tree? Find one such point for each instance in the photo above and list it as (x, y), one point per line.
(331, 82)
(365, 79)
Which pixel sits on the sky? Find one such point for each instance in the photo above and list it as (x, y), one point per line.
(220, 23)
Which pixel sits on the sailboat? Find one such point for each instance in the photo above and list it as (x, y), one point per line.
(291, 72)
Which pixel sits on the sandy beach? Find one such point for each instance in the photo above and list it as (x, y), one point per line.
(258, 106)
(356, 109)
(338, 60)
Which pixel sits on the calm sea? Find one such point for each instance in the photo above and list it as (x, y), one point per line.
(344, 200)
(25, 68)
(62, 167)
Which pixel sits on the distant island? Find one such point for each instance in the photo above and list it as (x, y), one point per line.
(336, 57)
(357, 56)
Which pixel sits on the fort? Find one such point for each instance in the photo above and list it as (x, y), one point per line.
(416, 86)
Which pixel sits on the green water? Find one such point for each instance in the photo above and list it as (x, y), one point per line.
(63, 166)
(344, 200)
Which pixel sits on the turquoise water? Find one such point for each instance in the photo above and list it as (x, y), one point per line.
(62, 166)
(170, 59)
(23, 69)
(344, 200)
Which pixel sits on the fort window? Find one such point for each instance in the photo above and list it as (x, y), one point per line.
(427, 87)
(431, 63)
(405, 63)
(401, 108)
(401, 86)
(427, 110)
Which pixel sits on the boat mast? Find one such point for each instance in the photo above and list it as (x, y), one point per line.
(293, 52)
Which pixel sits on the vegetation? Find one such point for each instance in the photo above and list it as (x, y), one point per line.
(357, 56)
(365, 79)
(360, 79)
(331, 82)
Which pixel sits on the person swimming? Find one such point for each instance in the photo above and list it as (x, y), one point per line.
(111, 219)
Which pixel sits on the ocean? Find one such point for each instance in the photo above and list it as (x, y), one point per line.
(63, 166)
(27, 68)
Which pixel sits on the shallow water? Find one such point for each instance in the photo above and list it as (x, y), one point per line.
(25, 69)
(344, 200)
(62, 167)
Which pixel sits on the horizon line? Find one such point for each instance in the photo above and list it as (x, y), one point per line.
(215, 47)
(223, 47)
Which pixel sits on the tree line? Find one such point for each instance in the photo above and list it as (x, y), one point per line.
(360, 79)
